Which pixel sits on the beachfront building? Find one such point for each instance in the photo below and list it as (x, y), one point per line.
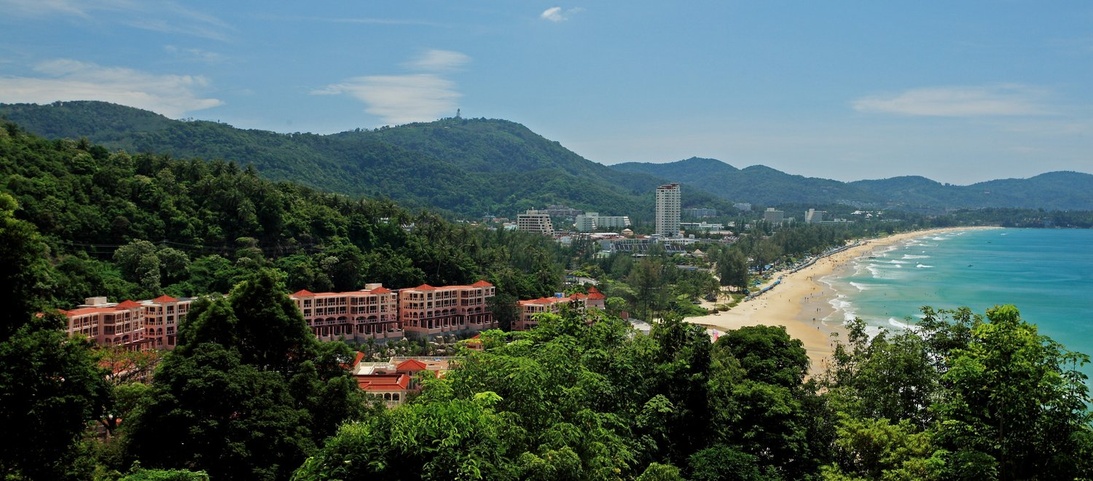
(427, 311)
(593, 222)
(110, 324)
(531, 307)
(536, 221)
(370, 313)
(668, 208)
(813, 216)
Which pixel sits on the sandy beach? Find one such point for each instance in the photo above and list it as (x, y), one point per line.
(800, 302)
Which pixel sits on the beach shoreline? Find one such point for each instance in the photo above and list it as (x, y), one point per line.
(801, 302)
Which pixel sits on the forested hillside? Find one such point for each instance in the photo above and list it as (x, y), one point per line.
(136, 226)
(249, 393)
(467, 167)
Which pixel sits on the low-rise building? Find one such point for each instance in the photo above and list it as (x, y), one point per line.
(392, 380)
(162, 316)
(370, 313)
(531, 307)
(594, 222)
(427, 311)
(110, 324)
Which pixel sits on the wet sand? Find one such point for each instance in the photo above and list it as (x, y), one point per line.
(801, 302)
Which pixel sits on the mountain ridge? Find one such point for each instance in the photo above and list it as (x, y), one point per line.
(471, 167)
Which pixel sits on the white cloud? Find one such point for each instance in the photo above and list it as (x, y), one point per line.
(157, 15)
(400, 99)
(556, 14)
(980, 101)
(44, 7)
(64, 79)
(439, 61)
(194, 54)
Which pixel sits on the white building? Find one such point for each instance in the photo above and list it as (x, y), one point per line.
(535, 221)
(773, 216)
(593, 222)
(813, 216)
(668, 207)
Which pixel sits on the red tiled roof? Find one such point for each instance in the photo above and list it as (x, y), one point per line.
(356, 360)
(412, 365)
(88, 310)
(127, 304)
(424, 287)
(303, 293)
(595, 294)
(541, 300)
(383, 382)
(380, 290)
(482, 283)
(164, 298)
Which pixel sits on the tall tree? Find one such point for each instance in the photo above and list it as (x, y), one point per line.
(50, 386)
(248, 392)
(1016, 404)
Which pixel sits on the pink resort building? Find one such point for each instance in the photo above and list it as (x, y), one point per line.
(427, 311)
(529, 308)
(148, 324)
(109, 323)
(161, 319)
(370, 313)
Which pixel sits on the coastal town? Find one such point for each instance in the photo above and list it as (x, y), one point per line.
(509, 241)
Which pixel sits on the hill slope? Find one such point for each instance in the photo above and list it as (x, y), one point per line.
(766, 186)
(465, 166)
(471, 167)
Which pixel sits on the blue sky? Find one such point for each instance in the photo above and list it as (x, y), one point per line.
(959, 92)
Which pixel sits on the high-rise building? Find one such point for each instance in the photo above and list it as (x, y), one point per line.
(668, 206)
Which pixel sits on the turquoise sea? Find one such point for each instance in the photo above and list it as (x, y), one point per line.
(1046, 273)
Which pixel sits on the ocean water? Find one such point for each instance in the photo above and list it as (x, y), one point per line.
(1046, 273)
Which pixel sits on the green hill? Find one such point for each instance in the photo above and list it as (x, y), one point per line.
(766, 186)
(471, 167)
(467, 167)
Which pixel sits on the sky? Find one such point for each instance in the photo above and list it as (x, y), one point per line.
(959, 92)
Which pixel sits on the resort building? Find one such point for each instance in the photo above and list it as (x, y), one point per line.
(427, 311)
(536, 221)
(667, 214)
(593, 222)
(813, 216)
(370, 313)
(391, 381)
(162, 316)
(531, 307)
(110, 324)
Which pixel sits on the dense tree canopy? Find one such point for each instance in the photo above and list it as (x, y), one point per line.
(248, 392)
